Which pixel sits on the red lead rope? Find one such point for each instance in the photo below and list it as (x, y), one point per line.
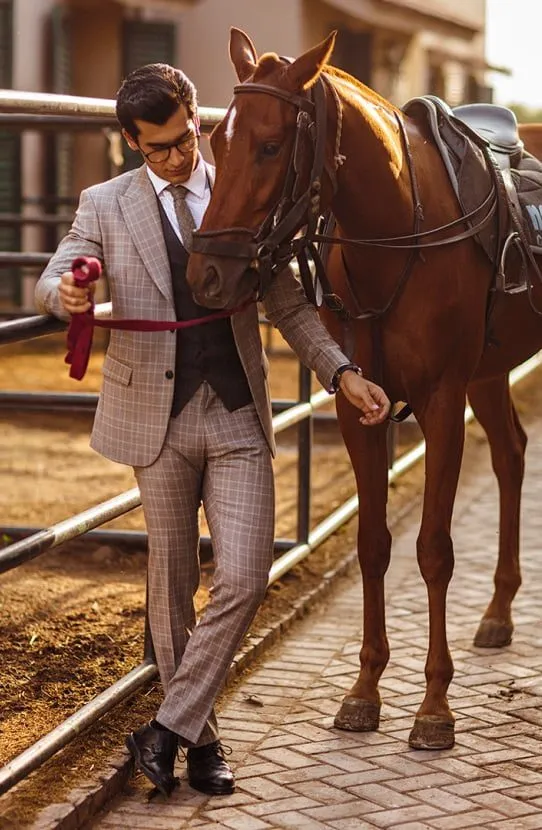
(81, 329)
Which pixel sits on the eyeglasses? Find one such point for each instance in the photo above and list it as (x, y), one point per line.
(183, 147)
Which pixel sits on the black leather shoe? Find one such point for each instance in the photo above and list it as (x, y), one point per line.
(208, 771)
(153, 751)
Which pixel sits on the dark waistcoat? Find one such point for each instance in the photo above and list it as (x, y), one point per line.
(206, 352)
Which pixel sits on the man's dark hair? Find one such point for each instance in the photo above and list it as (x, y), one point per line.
(153, 93)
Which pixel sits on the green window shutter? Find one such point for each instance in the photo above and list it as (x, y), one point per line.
(145, 43)
(6, 43)
(10, 163)
(60, 55)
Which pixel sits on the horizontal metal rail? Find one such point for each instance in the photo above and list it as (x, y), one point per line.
(58, 123)
(24, 109)
(39, 325)
(33, 546)
(85, 403)
(10, 259)
(127, 538)
(131, 539)
(38, 219)
(33, 757)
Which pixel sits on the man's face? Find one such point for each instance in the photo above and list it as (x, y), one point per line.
(173, 146)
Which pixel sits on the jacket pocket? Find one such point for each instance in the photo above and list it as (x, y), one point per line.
(117, 371)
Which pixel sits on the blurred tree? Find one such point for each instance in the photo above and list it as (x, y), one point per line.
(526, 114)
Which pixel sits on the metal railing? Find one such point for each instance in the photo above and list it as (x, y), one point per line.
(20, 111)
(16, 554)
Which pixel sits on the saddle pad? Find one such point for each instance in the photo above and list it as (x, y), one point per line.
(463, 158)
(527, 178)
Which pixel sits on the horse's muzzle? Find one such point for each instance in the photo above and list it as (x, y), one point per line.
(222, 283)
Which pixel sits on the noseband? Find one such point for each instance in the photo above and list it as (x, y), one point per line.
(271, 247)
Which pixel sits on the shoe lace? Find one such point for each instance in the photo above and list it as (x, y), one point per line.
(222, 749)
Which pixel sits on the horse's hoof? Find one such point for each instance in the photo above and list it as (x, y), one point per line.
(357, 715)
(493, 634)
(432, 732)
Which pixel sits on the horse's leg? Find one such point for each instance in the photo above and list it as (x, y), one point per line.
(360, 709)
(494, 409)
(442, 422)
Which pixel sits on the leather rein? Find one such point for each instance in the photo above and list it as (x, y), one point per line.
(275, 244)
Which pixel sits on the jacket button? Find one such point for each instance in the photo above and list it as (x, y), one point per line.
(169, 374)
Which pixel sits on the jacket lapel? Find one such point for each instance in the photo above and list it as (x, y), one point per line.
(139, 207)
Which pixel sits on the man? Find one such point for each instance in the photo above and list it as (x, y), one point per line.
(189, 411)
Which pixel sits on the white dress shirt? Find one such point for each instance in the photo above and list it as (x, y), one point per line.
(197, 198)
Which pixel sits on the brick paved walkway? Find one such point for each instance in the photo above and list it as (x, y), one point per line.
(295, 771)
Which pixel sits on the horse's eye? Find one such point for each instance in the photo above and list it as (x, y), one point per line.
(270, 149)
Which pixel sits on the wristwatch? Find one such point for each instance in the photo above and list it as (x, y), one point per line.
(336, 379)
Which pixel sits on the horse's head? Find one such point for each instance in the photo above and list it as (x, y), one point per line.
(269, 162)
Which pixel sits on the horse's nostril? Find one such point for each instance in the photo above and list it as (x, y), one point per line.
(212, 280)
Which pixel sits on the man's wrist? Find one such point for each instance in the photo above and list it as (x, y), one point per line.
(336, 379)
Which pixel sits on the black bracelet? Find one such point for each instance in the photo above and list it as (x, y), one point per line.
(336, 379)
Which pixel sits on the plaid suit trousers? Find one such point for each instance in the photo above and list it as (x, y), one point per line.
(222, 459)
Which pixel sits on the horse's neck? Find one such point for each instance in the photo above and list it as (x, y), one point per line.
(374, 195)
(373, 199)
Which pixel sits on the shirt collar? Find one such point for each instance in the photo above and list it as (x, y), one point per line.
(196, 184)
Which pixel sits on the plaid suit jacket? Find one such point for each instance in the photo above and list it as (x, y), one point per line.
(119, 223)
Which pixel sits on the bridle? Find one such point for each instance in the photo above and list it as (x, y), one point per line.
(272, 247)
(275, 244)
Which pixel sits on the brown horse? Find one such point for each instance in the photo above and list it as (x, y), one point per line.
(427, 344)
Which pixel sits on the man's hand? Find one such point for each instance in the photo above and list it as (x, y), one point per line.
(74, 298)
(367, 396)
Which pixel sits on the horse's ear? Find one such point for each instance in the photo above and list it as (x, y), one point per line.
(305, 70)
(242, 53)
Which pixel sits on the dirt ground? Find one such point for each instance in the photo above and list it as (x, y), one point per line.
(71, 621)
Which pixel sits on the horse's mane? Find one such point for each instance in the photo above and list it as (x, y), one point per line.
(353, 89)
(364, 91)
(367, 94)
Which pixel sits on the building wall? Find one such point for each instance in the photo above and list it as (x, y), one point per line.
(409, 38)
(466, 11)
(96, 73)
(29, 21)
(204, 38)
(414, 43)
